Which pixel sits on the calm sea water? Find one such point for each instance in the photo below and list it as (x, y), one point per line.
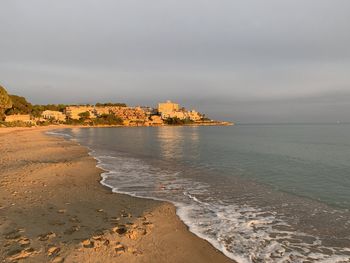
(259, 193)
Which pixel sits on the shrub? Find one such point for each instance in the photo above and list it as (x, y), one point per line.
(107, 119)
(177, 121)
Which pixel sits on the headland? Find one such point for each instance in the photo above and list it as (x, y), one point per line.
(17, 111)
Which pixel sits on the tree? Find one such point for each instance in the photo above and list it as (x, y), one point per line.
(5, 102)
(177, 121)
(110, 104)
(84, 116)
(19, 106)
(108, 119)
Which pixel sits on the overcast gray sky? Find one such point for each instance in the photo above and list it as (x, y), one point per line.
(244, 60)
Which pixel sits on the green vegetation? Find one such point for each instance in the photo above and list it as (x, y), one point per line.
(5, 102)
(13, 105)
(177, 121)
(16, 124)
(75, 122)
(19, 106)
(104, 119)
(107, 119)
(39, 109)
(84, 116)
(111, 104)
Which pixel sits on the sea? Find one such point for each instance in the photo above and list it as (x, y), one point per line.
(258, 192)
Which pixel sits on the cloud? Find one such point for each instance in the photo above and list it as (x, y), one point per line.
(209, 55)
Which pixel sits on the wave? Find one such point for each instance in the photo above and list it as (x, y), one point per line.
(59, 134)
(242, 232)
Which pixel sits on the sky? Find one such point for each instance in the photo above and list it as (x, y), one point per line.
(248, 61)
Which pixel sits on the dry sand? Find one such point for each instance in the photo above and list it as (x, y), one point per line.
(53, 209)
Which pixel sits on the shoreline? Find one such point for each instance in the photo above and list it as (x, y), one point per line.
(198, 124)
(46, 177)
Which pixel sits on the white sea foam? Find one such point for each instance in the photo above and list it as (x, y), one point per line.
(60, 134)
(244, 233)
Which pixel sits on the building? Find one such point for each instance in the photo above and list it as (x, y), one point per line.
(18, 117)
(166, 107)
(149, 110)
(72, 112)
(174, 114)
(194, 115)
(53, 115)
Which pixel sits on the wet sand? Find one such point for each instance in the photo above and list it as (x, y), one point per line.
(53, 209)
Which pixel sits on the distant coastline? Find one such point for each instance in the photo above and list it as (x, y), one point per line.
(16, 111)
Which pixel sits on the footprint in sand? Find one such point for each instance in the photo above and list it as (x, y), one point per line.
(71, 230)
(24, 242)
(21, 254)
(53, 251)
(88, 243)
(56, 223)
(74, 219)
(121, 229)
(13, 234)
(124, 214)
(114, 220)
(99, 233)
(119, 248)
(58, 260)
(137, 232)
(46, 236)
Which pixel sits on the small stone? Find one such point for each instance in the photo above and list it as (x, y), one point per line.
(99, 210)
(62, 211)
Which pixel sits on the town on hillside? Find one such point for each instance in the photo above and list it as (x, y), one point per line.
(22, 113)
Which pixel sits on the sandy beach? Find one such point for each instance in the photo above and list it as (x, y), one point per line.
(53, 209)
